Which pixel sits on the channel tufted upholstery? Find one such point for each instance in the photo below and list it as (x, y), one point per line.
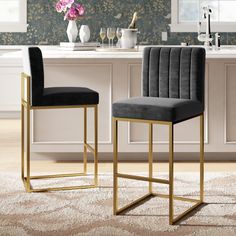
(53, 96)
(174, 72)
(173, 86)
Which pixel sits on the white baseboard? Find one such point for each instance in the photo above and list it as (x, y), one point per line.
(9, 115)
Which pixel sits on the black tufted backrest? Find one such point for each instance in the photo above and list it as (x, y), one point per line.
(174, 72)
(33, 63)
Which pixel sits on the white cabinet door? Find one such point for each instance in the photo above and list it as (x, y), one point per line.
(10, 88)
(62, 130)
(230, 106)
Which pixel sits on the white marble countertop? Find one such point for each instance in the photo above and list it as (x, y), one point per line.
(50, 52)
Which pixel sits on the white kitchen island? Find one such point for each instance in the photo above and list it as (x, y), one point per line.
(117, 75)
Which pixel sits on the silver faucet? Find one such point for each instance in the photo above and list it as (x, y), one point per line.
(207, 37)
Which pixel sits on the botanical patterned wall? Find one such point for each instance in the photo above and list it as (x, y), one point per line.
(46, 26)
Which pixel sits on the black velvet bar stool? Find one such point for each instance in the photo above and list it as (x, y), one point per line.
(173, 92)
(35, 96)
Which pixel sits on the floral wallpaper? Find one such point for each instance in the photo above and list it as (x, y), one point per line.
(46, 26)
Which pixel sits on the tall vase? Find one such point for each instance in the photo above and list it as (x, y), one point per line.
(84, 33)
(72, 31)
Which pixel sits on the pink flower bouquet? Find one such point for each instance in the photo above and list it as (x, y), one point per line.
(72, 10)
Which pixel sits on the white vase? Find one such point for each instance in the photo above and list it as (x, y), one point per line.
(72, 31)
(84, 33)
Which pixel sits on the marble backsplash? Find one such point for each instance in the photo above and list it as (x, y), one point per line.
(46, 26)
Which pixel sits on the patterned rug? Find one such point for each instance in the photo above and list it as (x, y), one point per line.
(89, 212)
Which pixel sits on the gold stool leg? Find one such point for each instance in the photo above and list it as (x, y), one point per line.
(115, 166)
(22, 142)
(202, 158)
(95, 145)
(150, 155)
(171, 186)
(28, 150)
(85, 140)
(171, 173)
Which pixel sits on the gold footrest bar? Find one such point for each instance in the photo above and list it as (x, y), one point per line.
(150, 195)
(181, 216)
(57, 188)
(57, 176)
(142, 178)
(134, 203)
(90, 148)
(184, 199)
(62, 188)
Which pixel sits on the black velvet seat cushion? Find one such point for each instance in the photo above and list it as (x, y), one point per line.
(64, 96)
(155, 108)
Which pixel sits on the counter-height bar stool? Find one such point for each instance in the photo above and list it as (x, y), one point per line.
(34, 97)
(173, 92)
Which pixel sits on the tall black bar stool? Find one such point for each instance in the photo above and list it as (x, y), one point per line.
(173, 92)
(35, 96)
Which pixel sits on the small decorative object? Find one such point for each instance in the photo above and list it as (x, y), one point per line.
(129, 36)
(72, 11)
(84, 33)
(118, 35)
(134, 21)
(72, 31)
(103, 33)
(111, 34)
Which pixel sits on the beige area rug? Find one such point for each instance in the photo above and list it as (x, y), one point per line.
(89, 212)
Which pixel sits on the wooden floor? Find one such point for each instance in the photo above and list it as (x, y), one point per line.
(10, 158)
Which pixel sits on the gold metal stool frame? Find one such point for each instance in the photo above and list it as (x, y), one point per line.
(150, 179)
(25, 104)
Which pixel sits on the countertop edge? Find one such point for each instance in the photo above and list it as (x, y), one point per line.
(54, 52)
